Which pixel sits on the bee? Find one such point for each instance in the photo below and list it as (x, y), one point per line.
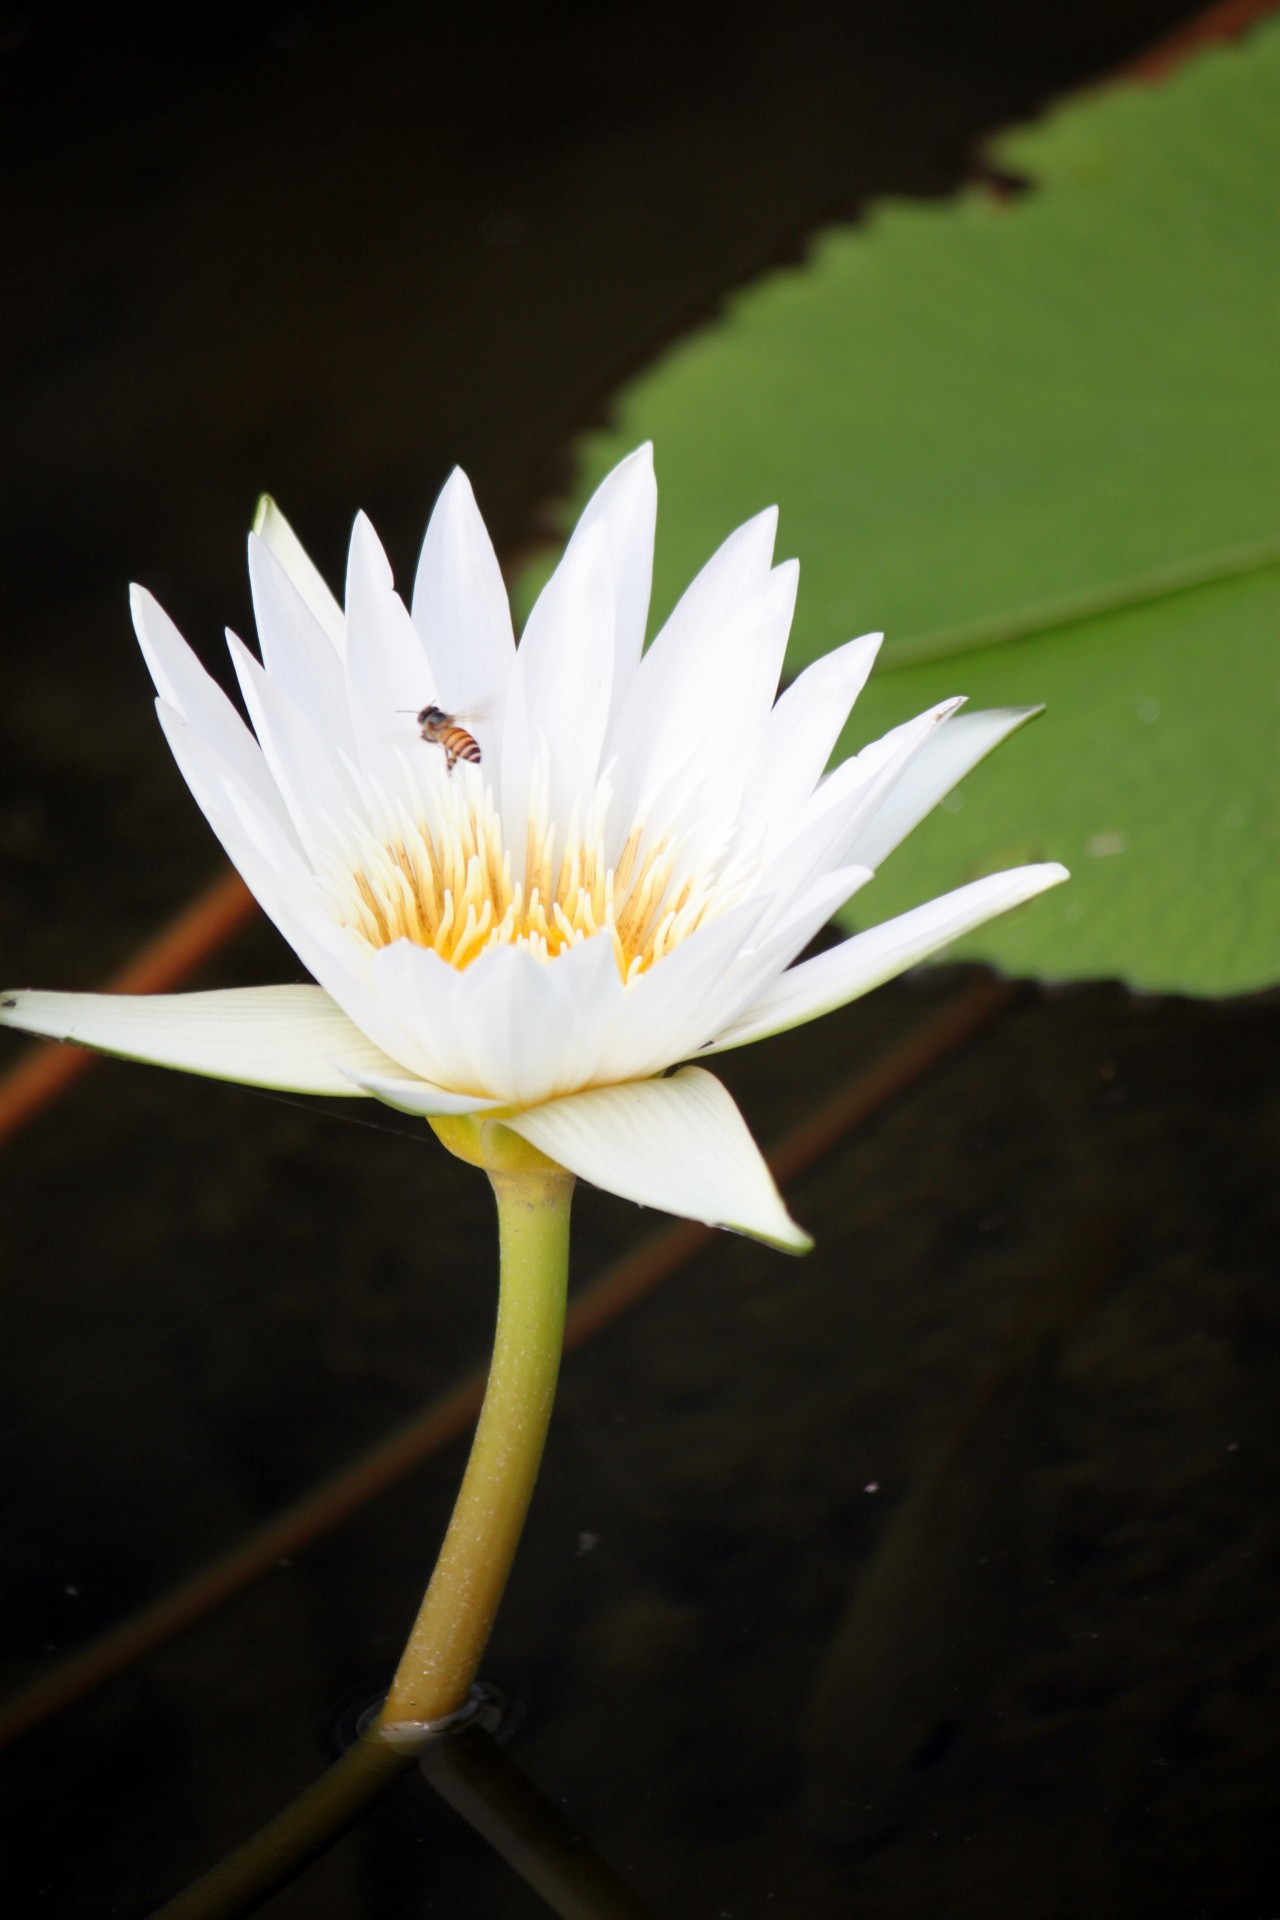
(441, 729)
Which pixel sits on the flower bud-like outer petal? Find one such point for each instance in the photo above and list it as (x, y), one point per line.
(678, 1143)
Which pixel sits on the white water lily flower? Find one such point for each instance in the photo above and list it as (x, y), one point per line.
(621, 883)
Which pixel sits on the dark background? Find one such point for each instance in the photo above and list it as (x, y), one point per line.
(333, 253)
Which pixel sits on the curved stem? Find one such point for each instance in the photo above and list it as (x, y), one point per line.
(449, 1636)
(446, 1646)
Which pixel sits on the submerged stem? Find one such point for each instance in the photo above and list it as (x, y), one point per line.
(299, 1834)
(449, 1636)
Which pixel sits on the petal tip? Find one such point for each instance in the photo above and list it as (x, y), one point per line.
(793, 1240)
(459, 483)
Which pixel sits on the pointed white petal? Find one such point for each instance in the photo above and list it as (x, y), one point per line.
(868, 959)
(734, 573)
(184, 685)
(830, 828)
(416, 1096)
(799, 736)
(225, 799)
(460, 609)
(625, 505)
(749, 668)
(796, 927)
(284, 886)
(295, 648)
(735, 570)
(389, 677)
(679, 1144)
(562, 685)
(757, 965)
(294, 1038)
(946, 757)
(311, 782)
(704, 745)
(274, 530)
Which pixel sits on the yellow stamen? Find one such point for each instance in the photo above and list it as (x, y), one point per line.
(447, 884)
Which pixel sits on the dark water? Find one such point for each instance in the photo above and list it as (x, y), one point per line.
(933, 1574)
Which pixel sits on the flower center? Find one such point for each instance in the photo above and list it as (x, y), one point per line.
(448, 885)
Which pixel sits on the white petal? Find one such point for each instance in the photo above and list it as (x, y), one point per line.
(868, 959)
(536, 1030)
(750, 666)
(295, 648)
(562, 686)
(803, 918)
(285, 888)
(691, 772)
(389, 677)
(416, 1096)
(510, 1026)
(272, 528)
(946, 757)
(678, 679)
(679, 1144)
(183, 684)
(830, 828)
(421, 992)
(460, 609)
(625, 505)
(333, 956)
(757, 965)
(294, 1038)
(519, 754)
(310, 781)
(226, 801)
(667, 1013)
(735, 571)
(799, 736)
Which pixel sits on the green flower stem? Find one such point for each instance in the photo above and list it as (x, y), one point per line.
(451, 1632)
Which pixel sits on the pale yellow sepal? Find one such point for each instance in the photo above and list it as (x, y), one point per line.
(484, 1142)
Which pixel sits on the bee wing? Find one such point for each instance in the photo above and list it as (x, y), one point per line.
(407, 726)
(474, 715)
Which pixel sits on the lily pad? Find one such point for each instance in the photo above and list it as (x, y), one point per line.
(1036, 438)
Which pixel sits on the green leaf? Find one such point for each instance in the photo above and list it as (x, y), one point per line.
(1038, 441)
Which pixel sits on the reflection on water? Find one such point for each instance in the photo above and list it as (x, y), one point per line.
(934, 1605)
(970, 1516)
